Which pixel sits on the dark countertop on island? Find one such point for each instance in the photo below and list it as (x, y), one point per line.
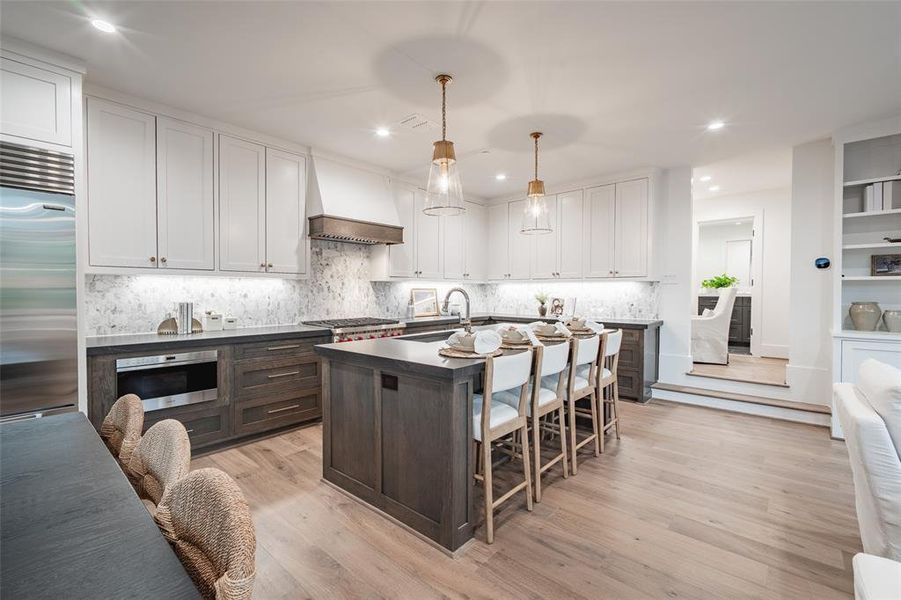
(152, 341)
(483, 316)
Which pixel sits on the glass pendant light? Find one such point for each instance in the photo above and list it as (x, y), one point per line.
(445, 192)
(535, 218)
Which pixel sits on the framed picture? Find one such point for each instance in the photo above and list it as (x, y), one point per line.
(885, 265)
(425, 302)
(556, 307)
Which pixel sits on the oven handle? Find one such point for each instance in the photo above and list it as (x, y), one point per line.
(141, 363)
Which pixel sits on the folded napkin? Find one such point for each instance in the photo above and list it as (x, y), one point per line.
(526, 330)
(559, 327)
(594, 326)
(485, 341)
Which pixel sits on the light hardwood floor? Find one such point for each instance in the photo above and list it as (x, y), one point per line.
(751, 369)
(691, 503)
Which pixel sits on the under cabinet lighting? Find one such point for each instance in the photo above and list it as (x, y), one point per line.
(104, 26)
(382, 132)
(715, 125)
(501, 176)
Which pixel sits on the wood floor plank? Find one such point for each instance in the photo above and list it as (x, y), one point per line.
(690, 503)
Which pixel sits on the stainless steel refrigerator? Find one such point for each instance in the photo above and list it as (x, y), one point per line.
(38, 337)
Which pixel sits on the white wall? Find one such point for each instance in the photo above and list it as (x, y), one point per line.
(810, 353)
(774, 208)
(711, 257)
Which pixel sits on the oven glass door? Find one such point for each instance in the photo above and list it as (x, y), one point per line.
(169, 380)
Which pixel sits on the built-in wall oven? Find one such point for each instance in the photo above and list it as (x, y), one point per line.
(169, 380)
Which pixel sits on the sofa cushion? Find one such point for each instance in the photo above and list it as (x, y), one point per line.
(876, 578)
(881, 386)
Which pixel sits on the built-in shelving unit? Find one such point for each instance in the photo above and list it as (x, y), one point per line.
(872, 213)
(872, 180)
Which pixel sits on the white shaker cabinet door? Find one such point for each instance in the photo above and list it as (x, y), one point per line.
(242, 205)
(35, 103)
(498, 248)
(570, 224)
(121, 160)
(545, 245)
(428, 241)
(454, 251)
(286, 246)
(600, 209)
(520, 243)
(185, 204)
(631, 250)
(475, 236)
(402, 257)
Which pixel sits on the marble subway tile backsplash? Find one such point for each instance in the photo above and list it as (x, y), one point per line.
(338, 286)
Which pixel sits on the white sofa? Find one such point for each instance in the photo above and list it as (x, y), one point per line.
(710, 333)
(876, 578)
(870, 414)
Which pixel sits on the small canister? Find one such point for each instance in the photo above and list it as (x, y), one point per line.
(185, 318)
(229, 322)
(213, 322)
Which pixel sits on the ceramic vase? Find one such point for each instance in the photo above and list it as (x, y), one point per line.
(542, 310)
(892, 320)
(865, 315)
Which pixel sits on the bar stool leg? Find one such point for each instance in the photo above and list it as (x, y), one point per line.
(526, 469)
(598, 429)
(572, 435)
(489, 493)
(615, 387)
(601, 401)
(563, 443)
(536, 446)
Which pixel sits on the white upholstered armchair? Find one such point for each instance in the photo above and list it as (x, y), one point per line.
(710, 333)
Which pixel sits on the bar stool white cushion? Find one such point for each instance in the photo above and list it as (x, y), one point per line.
(585, 369)
(550, 382)
(876, 578)
(545, 396)
(501, 413)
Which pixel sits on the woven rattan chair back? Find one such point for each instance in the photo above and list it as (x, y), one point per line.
(121, 428)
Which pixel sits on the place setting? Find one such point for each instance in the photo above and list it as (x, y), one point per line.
(472, 344)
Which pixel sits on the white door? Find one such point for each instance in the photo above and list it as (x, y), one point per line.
(475, 236)
(545, 245)
(242, 205)
(498, 248)
(454, 252)
(428, 241)
(121, 149)
(286, 244)
(35, 103)
(184, 195)
(402, 257)
(631, 237)
(600, 210)
(520, 244)
(570, 225)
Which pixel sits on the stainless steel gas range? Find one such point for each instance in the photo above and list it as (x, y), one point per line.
(366, 328)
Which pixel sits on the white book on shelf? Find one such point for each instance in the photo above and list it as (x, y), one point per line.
(868, 198)
(877, 195)
(891, 193)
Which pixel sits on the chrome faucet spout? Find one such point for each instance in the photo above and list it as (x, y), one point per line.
(466, 322)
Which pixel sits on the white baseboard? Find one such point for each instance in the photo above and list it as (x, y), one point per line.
(774, 351)
(774, 412)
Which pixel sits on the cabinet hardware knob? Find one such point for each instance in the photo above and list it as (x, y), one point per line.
(153, 259)
(262, 265)
(189, 431)
(163, 259)
(269, 265)
(610, 272)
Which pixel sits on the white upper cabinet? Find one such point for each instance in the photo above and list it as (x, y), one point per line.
(402, 257)
(600, 209)
(185, 203)
(242, 205)
(428, 241)
(520, 245)
(121, 164)
(631, 236)
(544, 245)
(498, 249)
(475, 237)
(454, 247)
(570, 225)
(35, 103)
(286, 246)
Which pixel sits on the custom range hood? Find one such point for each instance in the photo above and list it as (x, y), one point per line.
(351, 204)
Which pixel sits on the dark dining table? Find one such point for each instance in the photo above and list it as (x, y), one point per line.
(71, 525)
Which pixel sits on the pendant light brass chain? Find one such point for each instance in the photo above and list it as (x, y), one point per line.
(536, 156)
(443, 110)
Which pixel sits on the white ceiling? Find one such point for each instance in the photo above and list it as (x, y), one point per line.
(614, 86)
(765, 170)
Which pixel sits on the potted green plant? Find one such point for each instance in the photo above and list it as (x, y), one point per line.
(542, 303)
(719, 282)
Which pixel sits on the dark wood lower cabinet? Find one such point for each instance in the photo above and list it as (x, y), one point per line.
(261, 387)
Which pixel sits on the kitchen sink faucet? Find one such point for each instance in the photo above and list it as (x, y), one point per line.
(467, 322)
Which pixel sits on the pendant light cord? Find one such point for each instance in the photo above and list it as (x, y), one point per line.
(536, 157)
(443, 111)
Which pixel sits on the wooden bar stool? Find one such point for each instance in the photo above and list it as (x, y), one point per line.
(608, 387)
(494, 420)
(582, 383)
(546, 397)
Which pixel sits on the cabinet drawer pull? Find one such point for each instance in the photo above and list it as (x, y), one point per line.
(283, 374)
(284, 408)
(288, 347)
(190, 431)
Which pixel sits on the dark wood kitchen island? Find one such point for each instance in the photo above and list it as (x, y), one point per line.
(397, 432)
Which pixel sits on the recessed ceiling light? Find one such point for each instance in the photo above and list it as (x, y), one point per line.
(713, 188)
(715, 125)
(501, 176)
(104, 26)
(382, 132)
(705, 178)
